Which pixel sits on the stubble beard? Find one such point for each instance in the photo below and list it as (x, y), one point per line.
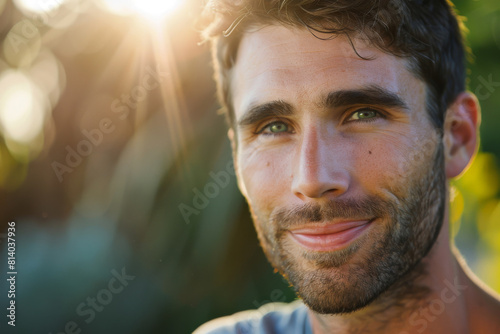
(350, 279)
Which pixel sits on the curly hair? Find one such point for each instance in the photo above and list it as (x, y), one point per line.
(428, 33)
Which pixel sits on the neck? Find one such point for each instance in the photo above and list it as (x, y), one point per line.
(431, 298)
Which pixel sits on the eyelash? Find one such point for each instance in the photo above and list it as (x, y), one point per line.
(267, 125)
(368, 120)
(378, 113)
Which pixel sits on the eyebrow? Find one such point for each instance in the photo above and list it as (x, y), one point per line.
(260, 112)
(369, 95)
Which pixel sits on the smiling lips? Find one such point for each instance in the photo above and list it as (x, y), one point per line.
(330, 237)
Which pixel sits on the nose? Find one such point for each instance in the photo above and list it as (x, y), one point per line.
(318, 169)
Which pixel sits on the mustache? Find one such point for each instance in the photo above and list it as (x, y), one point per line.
(349, 209)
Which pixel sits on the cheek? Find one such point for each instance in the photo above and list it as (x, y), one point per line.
(382, 163)
(265, 176)
(395, 162)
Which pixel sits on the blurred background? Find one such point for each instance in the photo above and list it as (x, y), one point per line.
(116, 169)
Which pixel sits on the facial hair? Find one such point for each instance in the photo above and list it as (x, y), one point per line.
(349, 279)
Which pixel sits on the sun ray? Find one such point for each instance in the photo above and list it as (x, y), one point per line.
(173, 100)
(151, 10)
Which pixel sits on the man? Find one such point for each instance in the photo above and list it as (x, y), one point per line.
(347, 119)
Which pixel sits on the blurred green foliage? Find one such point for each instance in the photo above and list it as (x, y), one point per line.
(477, 191)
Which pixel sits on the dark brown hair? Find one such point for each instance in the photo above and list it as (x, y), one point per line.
(427, 32)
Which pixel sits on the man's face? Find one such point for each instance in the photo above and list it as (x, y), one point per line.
(339, 162)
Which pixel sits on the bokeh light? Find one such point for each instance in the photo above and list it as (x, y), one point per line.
(52, 13)
(37, 6)
(22, 107)
(49, 76)
(22, 44)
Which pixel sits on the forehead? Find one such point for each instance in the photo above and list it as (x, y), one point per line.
(281, 63)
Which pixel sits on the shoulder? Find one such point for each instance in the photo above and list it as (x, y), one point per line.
(271, 318)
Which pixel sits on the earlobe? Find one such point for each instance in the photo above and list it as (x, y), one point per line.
(461, 133)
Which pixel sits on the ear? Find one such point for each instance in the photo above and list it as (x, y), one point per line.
(461, 128)
(234, 146)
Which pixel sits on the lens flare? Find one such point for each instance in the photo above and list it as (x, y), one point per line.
(153, 10)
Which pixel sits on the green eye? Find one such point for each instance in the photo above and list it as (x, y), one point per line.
(363, 114)
(277, 127)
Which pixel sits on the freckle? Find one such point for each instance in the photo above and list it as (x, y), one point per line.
(268, 163)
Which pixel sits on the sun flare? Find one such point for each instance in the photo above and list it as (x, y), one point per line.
(153, 10)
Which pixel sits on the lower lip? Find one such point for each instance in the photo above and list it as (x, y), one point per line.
(330, 242)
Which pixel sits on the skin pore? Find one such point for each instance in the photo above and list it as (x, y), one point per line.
(323, 137)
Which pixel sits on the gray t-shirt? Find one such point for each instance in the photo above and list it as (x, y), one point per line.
(275, 318)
